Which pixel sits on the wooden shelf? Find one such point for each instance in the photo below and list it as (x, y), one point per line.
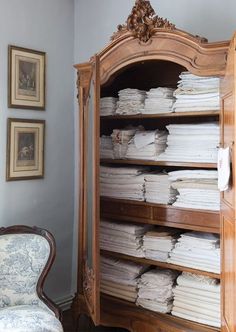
(158, 163)
(120, 313)
(146, 261)
(157, 214)
(158, 116)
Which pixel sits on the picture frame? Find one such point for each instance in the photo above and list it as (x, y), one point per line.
(26, 78)
(25, 149)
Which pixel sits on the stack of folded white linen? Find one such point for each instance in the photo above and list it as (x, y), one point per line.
(147, 145)
(122, 182)
(106, 147)
(119, 278)
(192, 143)
(197, 250)
(120, 139)
(131, 101)
(108, 106)
(159, 100)
(197, 298)
(195, 93)
(155, 290)
(158, 188)
(158, 243)
(197, 189)
(122, 237)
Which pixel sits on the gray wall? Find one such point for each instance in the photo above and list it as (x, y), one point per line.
(47, 26)
(96, 20)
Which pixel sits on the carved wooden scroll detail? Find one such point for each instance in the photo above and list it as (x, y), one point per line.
(83, 81)
(88, 286)
(142, 21)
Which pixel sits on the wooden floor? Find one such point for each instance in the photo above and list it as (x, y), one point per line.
(85, 325)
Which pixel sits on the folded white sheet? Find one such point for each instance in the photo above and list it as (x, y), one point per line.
(192, 294)
(198, 318)
(201, 282)
(198, 306)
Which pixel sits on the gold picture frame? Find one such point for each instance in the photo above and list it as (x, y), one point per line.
(26, 78)
(25, 149)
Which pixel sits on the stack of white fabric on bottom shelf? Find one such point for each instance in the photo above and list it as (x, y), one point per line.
(147, 144)
(106, 147)
(197, 250)
(125, 238)
(158, 101)
(120, 139)
(197, 298)
(108, 106)
(119, 278)
(158, 243)
(122, 182)
(158, 189)
(197, 189)
(197, 93)
(131, 101)
(192, 143)
(155, 290)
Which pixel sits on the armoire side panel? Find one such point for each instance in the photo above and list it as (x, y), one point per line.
(87, 299)
(228, 132)
(229, 278)
(91, 283)
(228, 216)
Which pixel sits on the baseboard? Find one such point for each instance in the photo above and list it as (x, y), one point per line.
(64, 303)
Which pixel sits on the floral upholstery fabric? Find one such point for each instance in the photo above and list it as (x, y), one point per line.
(28, 318)
(22, 259)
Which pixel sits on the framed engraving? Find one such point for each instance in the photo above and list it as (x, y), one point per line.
(26, 78)
(25, 149)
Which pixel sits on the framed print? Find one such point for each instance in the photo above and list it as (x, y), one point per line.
(26, 78)
(25, 149)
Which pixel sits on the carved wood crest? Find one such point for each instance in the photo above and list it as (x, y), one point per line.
(142, 22)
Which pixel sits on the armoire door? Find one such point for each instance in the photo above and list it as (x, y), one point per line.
(90, 199)
(228, 216)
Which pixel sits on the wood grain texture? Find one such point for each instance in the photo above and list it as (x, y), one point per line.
(175, 46)
(157, 214)
(123, 314)
(228, 213)
(158, 116)
(158, 163)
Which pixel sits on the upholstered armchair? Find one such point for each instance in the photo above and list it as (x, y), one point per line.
(26, 255)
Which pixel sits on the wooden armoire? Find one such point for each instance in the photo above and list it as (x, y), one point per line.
(147, 52)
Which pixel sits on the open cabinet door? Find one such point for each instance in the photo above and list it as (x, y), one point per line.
(89, 87)
(228, 217)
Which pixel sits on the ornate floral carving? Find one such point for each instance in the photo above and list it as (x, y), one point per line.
(142, 21)
(88, 286)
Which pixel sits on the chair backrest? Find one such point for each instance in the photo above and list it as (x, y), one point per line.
(26, 255)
